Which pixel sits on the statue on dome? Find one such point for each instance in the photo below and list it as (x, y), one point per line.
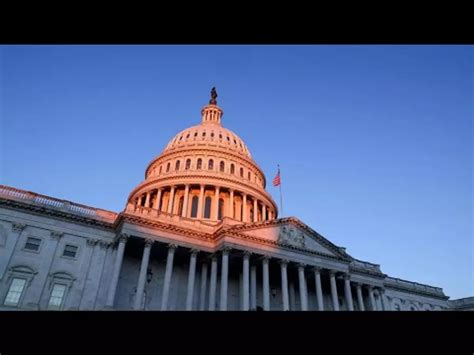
(213, 100)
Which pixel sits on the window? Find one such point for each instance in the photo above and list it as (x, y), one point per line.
(168, 167)
(248, 175)
(32, 243)
(57, 296)
(195, 134)
(176, 166)
(160, 169)
(199, 164)
(207, 207)
(212, 134)
(242, 172)
(70, 251)
(188, 164)
(222, 166)
(232, 168)
(211, 164)
(194, 206)
(14, 293)
(203, 134)
(180, 205)
(221, 209)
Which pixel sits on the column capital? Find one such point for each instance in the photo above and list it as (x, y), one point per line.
(213, 257)
(347, 276)
(194, 251)
(56, 235)
(332, 273)
(92, 242)
(18, 227)
(358, 285)
(381, 290)
(301, 265)
(265, 258)
(283, 262)
(247, 254)
(317, 269)
(149, 243)
(123, 237)
(172, 246)
(104, 244)
(226, 250)
(370, 287)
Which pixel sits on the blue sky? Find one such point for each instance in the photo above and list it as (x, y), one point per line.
(374, 142)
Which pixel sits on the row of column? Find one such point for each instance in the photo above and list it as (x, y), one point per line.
(249, 278)
(258, 206)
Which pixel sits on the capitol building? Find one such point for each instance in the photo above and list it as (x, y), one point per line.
(200, 232)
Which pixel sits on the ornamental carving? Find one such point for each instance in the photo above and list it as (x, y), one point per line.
(290, 236)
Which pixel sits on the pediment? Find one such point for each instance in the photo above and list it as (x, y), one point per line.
(293, 235)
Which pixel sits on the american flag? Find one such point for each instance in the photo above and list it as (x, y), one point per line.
(276, 180)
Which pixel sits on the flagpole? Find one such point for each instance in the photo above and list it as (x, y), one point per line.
(281, 196)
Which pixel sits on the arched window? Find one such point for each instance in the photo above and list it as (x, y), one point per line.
(176, 167)
(180, 206)
(207, 207)
(199, 164)
(194, 207)
(188, 164)
(222, 166)
(220, 212)
(248, 175)
(211, 164)
(241, 172)
(160, 169)
(232, 168)
(168, 167)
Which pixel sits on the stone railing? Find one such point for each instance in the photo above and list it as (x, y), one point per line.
(12, 193)
(413, 286)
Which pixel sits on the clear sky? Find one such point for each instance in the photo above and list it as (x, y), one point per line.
(374, 142)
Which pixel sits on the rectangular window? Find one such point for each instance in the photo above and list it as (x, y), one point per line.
(57, 296)
(15, 291)
(70, 251)
(33, 243)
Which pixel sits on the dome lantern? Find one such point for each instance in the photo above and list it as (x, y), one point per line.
(212, 114)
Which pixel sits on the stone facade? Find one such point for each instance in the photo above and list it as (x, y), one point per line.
(199, 233)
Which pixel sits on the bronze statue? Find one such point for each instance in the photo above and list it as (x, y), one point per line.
(213, 100)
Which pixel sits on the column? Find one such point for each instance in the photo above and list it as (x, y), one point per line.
(264, 212)
(147, 200)
(185, 202)
(266, 283)
(244, 207)
(372, 299)
(245, 272)
(213, 283)
(168, 272)
(231, 201)
(158, 200)
(116, 270)
(224, 278)
(335, 302)
(142, 277)
(284, 284)
(191, 275)
(292, 295)
(347, 292)
(140, 199)
(381, 293)
(171, 200)
(202, 294)
(319, 289)
(215, 205)
(303, 295)
(253, 288)
(255, 210)
(200, 202)
(360, 300)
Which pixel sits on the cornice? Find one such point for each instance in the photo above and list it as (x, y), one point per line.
(416, 292)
